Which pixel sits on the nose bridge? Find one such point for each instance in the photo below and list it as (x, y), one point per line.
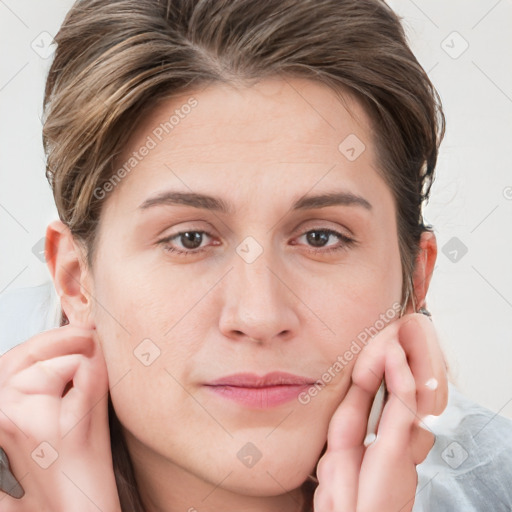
(257, 303)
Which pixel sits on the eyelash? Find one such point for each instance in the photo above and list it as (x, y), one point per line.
(347, 242)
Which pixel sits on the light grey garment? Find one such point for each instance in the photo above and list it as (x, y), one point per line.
(469, 468)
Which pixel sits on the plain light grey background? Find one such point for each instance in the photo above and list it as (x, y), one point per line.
(464, 45)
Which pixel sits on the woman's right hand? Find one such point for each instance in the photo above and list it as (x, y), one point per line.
(56, 435)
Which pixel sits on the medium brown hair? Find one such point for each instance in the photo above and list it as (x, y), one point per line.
(116, 59)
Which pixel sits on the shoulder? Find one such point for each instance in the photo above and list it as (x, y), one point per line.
(27, 311)
(470, 465)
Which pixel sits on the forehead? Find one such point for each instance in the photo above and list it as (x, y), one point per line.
(277, 131)
(256, 114)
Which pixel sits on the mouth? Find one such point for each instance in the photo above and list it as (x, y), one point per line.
(255, 392)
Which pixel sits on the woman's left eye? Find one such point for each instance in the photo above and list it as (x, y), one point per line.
(319, 237)
(191, 241)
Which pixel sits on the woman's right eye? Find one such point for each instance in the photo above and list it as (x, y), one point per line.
(190, 240)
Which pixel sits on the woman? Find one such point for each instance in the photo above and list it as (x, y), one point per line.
(240, 259)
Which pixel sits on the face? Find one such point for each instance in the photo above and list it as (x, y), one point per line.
(263, 278)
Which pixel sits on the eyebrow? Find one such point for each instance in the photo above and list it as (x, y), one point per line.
(207, 202)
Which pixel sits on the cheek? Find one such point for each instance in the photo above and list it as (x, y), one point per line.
(138, 324)
(144, 371)
(354, 296)
(137, 300)
(354, 303)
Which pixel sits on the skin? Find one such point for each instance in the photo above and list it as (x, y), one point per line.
(212, 313)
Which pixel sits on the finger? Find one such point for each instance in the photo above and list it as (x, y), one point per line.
(368, 374)
(88, 398)
(399, 414)
(338, 480)
(9, 504)
(368, 370)
(91, 378)
(68, 339)
(338, 469)
(347, 428)
(388, 475)
(419, 339)
(47, 377)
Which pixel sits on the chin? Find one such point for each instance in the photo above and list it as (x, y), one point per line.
(271, 465)
(269, 478)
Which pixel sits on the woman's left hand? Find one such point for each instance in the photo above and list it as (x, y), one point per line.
(382, 476)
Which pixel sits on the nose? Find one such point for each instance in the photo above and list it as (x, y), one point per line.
(258, 301)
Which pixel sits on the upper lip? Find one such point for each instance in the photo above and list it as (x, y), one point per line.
(252, 380)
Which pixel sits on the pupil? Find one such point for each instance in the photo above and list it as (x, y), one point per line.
(314, 237)
(191, 239)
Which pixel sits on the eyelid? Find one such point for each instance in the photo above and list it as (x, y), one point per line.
(341, 230)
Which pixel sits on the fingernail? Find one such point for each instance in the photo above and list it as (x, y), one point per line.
(369, 439)
(432, 383)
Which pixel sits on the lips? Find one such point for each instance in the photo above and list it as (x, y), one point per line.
(260, 392)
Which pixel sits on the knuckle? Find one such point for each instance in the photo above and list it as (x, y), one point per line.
(321, 468)
(408, 390)
(323, 500)
(364, 376)
(326, 467)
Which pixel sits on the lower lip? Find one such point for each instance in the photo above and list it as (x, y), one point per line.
(260, 398)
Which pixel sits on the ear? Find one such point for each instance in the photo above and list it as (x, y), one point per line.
(424, 267)
(66, 262)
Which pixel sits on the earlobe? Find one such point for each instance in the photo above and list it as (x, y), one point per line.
(69, 273)
(424, 266)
